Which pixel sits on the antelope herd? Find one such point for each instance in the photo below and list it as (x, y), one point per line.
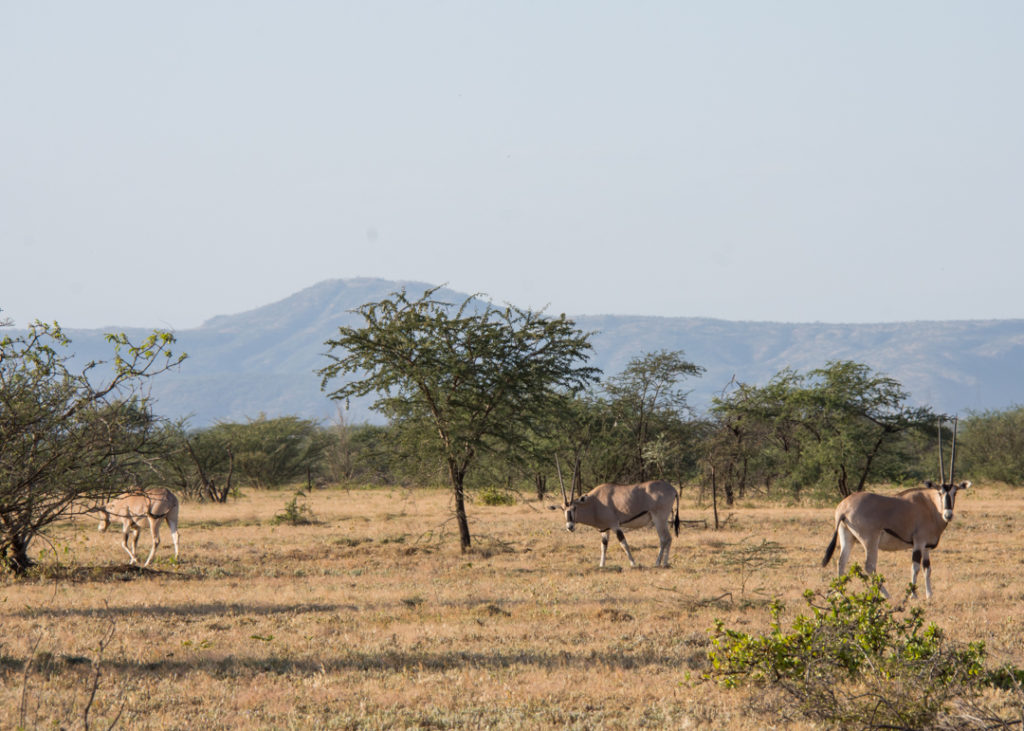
(914, 519)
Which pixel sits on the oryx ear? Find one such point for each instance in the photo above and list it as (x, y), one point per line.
(929, 483)
(964, 485)
(583, 498)
(552, 507)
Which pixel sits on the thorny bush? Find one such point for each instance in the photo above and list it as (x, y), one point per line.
(856, 660)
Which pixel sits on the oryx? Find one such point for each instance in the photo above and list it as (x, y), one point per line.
(154, 504)
(912, 519)
(624, 507)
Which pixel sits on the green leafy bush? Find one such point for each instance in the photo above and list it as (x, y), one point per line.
(855, 660)
(494, 496)
(295, 512)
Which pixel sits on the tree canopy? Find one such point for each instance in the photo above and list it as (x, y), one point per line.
(646, 403)
(839, 425)
(478, 377)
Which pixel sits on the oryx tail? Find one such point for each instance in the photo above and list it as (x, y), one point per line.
(831, 548)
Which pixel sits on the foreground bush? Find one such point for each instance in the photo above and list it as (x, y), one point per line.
(857, 661)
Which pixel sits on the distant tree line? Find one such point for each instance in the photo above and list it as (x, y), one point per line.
(821, 434)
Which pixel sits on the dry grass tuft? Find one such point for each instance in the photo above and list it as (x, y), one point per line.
(615, 615)
(372, 618)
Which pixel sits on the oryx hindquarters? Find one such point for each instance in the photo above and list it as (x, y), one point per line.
(171, 516)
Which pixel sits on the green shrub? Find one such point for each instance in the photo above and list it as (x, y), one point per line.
(295, 512)
(855, 660)
(495, 496)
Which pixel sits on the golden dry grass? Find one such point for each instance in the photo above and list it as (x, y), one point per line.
(371, 617)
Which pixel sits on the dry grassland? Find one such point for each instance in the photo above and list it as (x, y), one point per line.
(371, 618)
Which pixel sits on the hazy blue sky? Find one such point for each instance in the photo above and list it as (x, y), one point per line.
(162, 163)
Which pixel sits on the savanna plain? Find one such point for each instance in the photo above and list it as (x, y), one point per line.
(371, 617)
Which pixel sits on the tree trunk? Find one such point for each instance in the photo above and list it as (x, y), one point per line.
(541, 483)
(14, 555)
(714, 495)
(222, 496)
(844, 484)
(458, 477)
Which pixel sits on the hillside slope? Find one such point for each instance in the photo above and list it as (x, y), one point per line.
(263, 361)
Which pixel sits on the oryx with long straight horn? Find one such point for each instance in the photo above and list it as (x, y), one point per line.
(154, 504)
(623, 507)
(913, 519)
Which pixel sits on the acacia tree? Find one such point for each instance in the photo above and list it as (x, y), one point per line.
(269, 452)
(839, 425)
(753, 439)
(478, 377)
(198, 464)
(994, 445)
(855, 418)
(69, 437)
(645, 400)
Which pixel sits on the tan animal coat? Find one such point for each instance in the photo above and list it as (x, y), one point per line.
(619, 508)
(154, 504)
(912, 520)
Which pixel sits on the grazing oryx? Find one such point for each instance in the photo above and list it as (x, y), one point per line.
(913, 519)
(624, 507)
(154, 504)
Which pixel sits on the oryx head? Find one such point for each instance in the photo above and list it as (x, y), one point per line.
(947, 489)
(569, 502)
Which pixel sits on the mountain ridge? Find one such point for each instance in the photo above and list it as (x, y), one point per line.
(263, 361)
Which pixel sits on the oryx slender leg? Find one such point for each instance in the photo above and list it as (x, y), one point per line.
(625, 546)
(130, 528)
(665, 539)
(926, 563)
(871, 557)
(154, 529)
(172, 523)
(871, 553)
(915, 566)
(604, 547)
(846, 539)
(136, 532)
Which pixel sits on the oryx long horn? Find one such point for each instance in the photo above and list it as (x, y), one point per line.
(952, 453)
(942, 467)
(577, 478)
(558, 466)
